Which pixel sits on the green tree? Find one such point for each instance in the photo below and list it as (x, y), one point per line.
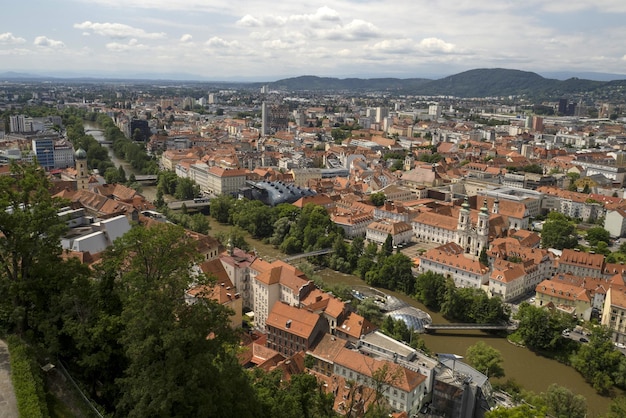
(393, 272)
(30, 237)
(484, 258)
(573, 177)
(281, 230)
(122, 175)
(253, 216)
(485, 359)
(562, 403)
(301, 396)
(166, 340)
(112, 175)
(541, 329)
(159, 202)
(369, 309)
(387, 247)
(431, 289)
(220, 208)
(378, 198)
(199, 223)
(617, 408)
(521, 411)
(558, 232)
(236, 236)
(186, 189)
(599, 362)
(598, 234)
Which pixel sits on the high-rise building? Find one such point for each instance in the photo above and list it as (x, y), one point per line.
(434, 111)
(381, 113)
(537, 124)
(139, 130)
(274, 117)
(43, 147)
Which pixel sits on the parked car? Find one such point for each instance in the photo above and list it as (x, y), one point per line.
(620, 345)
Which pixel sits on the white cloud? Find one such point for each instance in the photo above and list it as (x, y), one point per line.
(570, 6)
(186, 38)
(45, 42)
(132, 45)
(118, 30)
(354, 31)
(323, 14)
(278, 44)
(217, 42)
(8, 38)
(395, 46)
(249, 22)
(436, 45)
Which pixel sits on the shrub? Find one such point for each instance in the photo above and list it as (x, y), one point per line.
(27, 383)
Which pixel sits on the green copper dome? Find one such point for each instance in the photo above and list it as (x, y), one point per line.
(80, 154)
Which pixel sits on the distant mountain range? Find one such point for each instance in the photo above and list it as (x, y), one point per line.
(495, 82)
(472, 83)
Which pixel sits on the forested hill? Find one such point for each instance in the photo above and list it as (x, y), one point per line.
(473, 83)
(313, 83)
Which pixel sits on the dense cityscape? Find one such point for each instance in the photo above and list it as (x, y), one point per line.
(162, 246)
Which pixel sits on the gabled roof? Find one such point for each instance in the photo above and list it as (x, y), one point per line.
(406, 380)
(355, 325)
(562, 290)
(582, 259)
(293, 320)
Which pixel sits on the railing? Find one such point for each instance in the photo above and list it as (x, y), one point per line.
(483, 327)
(309, 254)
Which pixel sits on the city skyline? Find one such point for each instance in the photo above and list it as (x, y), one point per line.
(252, 41)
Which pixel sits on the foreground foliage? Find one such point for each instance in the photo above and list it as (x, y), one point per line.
(27, 382)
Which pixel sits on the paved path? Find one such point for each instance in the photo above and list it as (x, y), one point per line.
(8, 404)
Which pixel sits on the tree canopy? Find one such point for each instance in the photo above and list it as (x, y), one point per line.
(30, 242)
(558, 232)
(485, 359)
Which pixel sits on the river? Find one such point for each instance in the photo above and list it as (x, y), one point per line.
(149, 192)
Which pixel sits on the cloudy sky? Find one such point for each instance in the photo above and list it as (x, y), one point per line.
(265, 41)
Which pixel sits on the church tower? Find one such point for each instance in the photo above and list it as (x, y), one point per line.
(463, 227)
(482, 229)
(496, 206)
(82, 173)
(409, 160)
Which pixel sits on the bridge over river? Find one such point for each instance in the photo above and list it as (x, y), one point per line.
(482, 327)
(309, 254)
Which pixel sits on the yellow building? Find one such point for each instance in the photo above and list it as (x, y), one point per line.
(614, 313)
(565, 296)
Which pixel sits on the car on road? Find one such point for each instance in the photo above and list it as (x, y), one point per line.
(620, 345)
(583, 340)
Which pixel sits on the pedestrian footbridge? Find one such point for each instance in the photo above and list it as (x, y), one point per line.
(458, 327)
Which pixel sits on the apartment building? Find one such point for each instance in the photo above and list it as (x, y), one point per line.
(580, 263)
(274, 282)
(404, 389)
(222, 181)
(291, 330)
(450, 261)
